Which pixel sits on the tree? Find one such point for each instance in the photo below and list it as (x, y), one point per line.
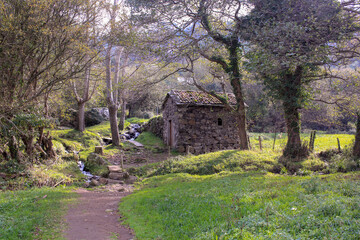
(38, 40)
(187, 30)
(112, 80)
(81, 85)
(41, 48)
(293, 39)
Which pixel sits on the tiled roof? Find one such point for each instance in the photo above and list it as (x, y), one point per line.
(198, 98)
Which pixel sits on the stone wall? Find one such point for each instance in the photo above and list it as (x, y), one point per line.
(155, 126)
(201, 128)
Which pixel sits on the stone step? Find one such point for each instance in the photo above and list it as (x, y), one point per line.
(115, 168)
(112, 181)
(137, 144)
(118, 176)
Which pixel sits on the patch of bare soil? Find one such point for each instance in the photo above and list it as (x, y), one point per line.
(96, 217)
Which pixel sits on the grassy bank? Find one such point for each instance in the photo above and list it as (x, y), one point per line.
(245, 206)
(34, 214)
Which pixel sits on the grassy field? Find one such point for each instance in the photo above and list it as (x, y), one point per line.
(245, 206)
(34, 214)
(323, 141)
(233, 195)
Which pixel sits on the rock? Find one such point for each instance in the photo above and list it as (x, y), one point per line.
(107, 141)
(112, 181)
(104, 112)
(103, 181)
(86, 185)
(94, 183)
(96, 116)
(95, 159)
(131, 180)
(118, 176)
(121, 189)
(115, 168)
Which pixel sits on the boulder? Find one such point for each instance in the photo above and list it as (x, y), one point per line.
(103, 181)
(131, 180)
(95, 159)
(107, 141)
(93, 117)
(104, 112)
(94, 183)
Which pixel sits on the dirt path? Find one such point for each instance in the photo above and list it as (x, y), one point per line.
(95, 216)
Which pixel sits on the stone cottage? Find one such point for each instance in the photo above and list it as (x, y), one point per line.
(198, 122)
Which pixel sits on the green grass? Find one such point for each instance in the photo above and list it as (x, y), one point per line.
(136, 120)
(245, 206)
(103, 129)
(215, 162)
(64, 172)
(34, 214)
(322, 141)
(151, 142)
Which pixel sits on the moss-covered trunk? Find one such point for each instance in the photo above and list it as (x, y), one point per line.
(356, 149)
(292, 120)
(235, 80)
(292, 99)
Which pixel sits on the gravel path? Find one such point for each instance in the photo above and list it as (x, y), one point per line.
(95, 216)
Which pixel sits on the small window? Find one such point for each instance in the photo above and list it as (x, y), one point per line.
(220, 123)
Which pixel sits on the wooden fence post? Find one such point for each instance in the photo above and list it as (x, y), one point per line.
(274, 140)
(260, 145)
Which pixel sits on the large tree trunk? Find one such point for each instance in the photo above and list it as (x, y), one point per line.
(356, 149)
(292, 120)
(291, 104)
(122, 116)
(81, 117)
(235, 80)
(113, 125)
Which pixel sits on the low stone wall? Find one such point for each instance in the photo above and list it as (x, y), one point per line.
(155, 126)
